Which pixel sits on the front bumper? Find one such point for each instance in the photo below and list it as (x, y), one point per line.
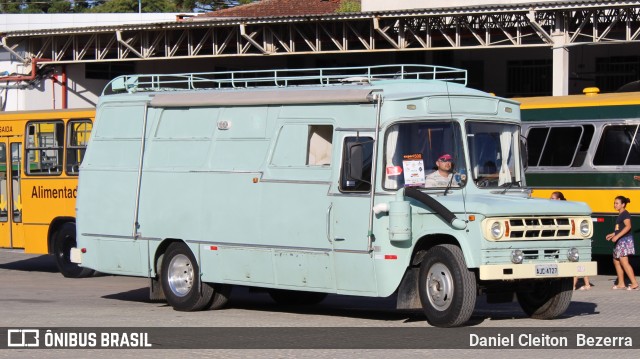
(528, 270)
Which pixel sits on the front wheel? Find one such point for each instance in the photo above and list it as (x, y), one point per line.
(180, 277)
(63, 240)
(546, 299)
(447, 288)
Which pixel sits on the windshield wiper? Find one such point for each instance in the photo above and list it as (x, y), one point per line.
(453, 174)
(509, 185)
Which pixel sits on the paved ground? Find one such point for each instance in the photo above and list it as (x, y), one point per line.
(33, 294)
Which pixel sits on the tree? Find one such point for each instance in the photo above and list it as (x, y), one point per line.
(42, 6)
(124, 6)
(114, 6)
(10, 7)
(209, 5)
(82, 5)
(349, 6)
(35, 6)
(60, 7)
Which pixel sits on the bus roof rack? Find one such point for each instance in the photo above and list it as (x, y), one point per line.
(281, 78)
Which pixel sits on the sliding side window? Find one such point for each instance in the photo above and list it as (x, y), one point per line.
(44, 148)
(618, 146)
(303, 145)
(78, 132)
(561, 146)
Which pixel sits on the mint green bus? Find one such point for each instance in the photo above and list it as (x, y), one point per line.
(317, 181)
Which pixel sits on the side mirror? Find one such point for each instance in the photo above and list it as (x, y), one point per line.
(355, 162)
(460, 177)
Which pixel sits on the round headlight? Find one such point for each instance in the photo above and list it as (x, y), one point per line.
(584, 227)
(573, 254)
(496, 230)
(517, 256)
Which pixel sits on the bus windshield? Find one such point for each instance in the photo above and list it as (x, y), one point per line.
(494, 154)
(414, 151)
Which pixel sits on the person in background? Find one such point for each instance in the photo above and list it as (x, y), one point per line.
(587, 285)
(623, 239)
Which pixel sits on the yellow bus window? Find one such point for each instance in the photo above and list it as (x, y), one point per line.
(4, 204)
(79, 133)
(16, 149)
(44, 147)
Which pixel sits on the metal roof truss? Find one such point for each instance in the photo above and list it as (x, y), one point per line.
(365, 32)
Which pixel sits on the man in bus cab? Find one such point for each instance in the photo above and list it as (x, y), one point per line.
(443, 175)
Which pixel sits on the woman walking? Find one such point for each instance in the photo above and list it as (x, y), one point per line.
(624, 244)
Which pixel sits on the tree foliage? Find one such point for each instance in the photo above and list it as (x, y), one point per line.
(113, 6)
(120, 6)
(349, 6)
(132, 6)
(209, 5)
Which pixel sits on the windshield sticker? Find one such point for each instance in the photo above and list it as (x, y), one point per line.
(413, 167)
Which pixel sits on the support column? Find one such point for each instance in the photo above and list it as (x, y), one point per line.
(560, 59)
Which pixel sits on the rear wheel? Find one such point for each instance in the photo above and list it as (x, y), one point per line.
(292, 297)
(180, 277)
(546, 299)
(63, 240)
(221, 294)
(447, 288)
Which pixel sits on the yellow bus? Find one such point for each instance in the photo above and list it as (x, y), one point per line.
(40, 155)
(588, 147)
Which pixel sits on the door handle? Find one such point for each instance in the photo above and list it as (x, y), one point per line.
(329, 223)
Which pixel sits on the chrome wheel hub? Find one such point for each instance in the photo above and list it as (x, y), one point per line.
(180, 275)
(439, 286)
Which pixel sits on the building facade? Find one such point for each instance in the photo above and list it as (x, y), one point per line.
(510, 48)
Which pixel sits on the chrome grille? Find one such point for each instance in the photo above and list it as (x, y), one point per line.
(537, 228)
(540, 228)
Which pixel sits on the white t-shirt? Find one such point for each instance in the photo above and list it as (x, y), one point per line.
(434, 179)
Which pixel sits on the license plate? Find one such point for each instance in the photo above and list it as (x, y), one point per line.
(546, 269)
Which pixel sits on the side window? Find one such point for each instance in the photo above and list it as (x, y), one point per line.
(535, 143)
(319, 145)
(16, 150)
(558, 146)
(300, 145)
(616, 144)
(4, 195)
(583, 148)
(78, 133)
(561, 146)
(357, 155)
(44, 147)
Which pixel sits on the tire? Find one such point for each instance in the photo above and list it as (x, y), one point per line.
(221, 294)
(63, 240)
(546, 299)
(180, 277)
(447, 288)
(292, 297)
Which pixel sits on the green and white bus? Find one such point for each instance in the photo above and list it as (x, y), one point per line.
(309, 182)
(587, 147)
